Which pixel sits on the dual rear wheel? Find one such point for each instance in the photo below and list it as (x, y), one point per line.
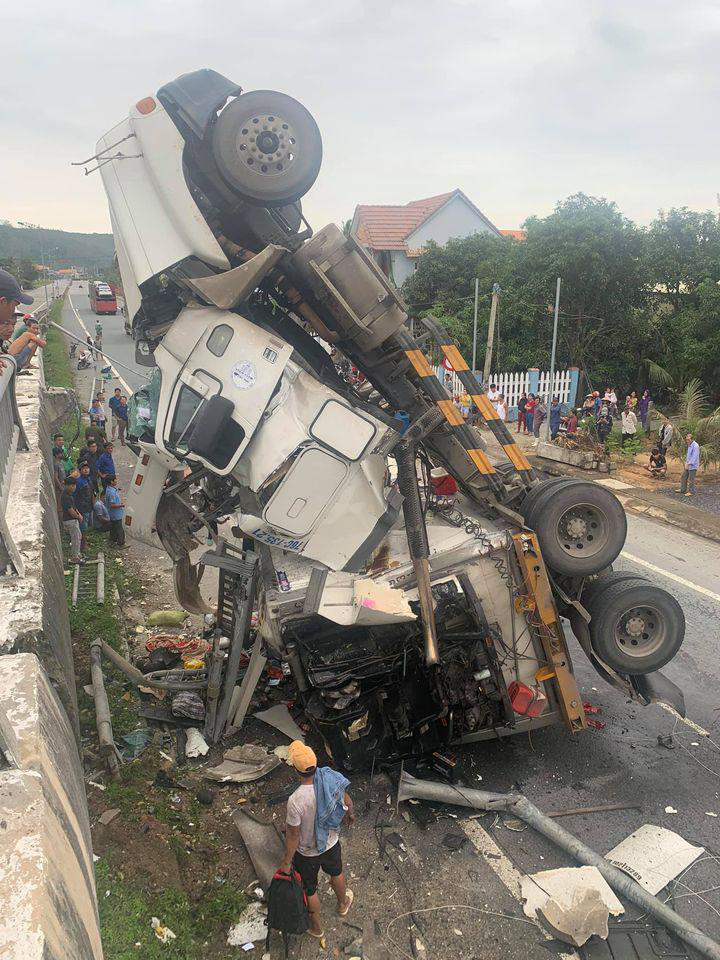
(636, 627)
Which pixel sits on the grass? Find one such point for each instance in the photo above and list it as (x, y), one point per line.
(629, 451)
(58, 372)
(126, 910)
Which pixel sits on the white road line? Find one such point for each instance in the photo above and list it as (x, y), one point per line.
(503, 868)
(672, 576)
(87, 334)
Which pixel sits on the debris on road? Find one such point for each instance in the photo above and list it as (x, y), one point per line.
(263, 843)
(250, 926)
(572, 903)
(243, 764)
(163, 933)
(653, 856)
(166, 618)
(109, 815)
(195, 745)
(279, 717)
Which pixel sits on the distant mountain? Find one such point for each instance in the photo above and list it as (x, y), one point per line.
(61, 249)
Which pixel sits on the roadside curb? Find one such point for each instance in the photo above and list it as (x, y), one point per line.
(646, 504)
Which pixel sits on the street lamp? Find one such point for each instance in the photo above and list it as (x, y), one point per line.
(35, 226)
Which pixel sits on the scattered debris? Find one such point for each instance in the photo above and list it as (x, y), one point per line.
(205, 796)
(670, 810)
(572, 903)
(639, 940)
(163, 933)
(243, 765)
(187, 704)
(653, 856)
(98, 786)
(135, 742)
(166, 618)
(283, 753)
(279, 717)
(250, 926)
(109, 815)
(195, 745)
(264, 845)
(454, 841)
(178, 643)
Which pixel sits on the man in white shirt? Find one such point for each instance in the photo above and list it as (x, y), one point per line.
(301, 850)
(629, 424)
(493, 393)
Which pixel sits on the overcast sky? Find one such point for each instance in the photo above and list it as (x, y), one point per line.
(519, 103)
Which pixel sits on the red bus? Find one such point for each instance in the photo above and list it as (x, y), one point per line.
(102, 299)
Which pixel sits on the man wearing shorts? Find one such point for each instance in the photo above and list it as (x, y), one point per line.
(301, 841)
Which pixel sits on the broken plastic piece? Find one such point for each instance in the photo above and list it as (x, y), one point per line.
(250, 926)
(279, 717)
(196, 745)
(653, 856)
(163, 933)
(572, 903)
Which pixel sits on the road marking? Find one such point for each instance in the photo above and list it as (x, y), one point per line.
(503, 868)
(87, 334)
(672, 576)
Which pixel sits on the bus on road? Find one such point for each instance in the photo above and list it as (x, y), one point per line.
(102, 298)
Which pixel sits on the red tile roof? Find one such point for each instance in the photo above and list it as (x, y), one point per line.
(386, 227)
(515, 234)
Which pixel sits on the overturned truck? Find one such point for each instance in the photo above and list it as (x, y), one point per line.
(410, 620)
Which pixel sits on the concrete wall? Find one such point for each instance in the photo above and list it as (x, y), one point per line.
(403, 266)
(47, 884)
(33, 608)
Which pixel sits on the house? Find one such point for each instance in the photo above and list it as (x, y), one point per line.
(395, 236)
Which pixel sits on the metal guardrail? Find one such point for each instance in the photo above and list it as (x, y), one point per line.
(12, 439)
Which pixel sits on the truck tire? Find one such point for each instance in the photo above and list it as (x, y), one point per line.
(636, 627)
(536, 492)
(594, 589)
(581, 527)
(267, 147)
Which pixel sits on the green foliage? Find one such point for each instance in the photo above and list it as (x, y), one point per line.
(126, 910)
(697, 419)
(632, 447)
(61, 249)
(637, 307)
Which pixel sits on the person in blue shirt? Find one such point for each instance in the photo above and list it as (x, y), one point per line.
(122, 419)
(83, 496)
(105, 465)
(114, 403)
(116, 509)
(101, 517)
(692, 462)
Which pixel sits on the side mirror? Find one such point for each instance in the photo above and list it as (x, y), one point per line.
(209, 426)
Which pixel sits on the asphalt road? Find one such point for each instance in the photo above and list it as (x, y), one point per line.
(621, 763)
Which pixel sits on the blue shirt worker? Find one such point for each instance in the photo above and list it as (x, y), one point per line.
(105, 465)
(692, 462)
(116, 509)
(312, 823)
(114, 403)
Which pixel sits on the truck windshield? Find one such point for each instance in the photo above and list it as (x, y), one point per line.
(187, 406)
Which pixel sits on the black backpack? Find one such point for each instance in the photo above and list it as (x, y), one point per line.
(287, 907)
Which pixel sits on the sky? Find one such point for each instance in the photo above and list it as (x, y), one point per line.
(518, 103)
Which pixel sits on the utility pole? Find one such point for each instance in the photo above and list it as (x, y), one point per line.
(551, 381)
(475, 327)
(491, 333)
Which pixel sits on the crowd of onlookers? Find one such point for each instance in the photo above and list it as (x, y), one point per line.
(87, 493)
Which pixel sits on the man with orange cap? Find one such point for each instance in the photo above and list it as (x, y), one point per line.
(312, 842)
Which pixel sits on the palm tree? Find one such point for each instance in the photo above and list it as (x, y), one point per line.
(697, 418)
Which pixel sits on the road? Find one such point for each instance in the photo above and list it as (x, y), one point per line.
(79, 319)
(621, 763)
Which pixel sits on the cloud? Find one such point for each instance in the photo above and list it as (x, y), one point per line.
(519, 104)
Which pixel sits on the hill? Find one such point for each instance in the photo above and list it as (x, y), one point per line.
(62, 249)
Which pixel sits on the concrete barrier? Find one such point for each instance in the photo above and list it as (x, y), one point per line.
(47, 885)
(33, 608)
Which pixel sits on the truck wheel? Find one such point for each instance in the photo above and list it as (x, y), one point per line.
(595, 588)
(636, 627)
(536, 492)
(581, 527)
(267, 147)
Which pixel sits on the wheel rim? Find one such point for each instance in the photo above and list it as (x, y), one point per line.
(583, 530)
(640, 632)
(267, 145)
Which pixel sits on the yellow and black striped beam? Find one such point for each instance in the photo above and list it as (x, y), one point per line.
(485, 408)
(434, 390)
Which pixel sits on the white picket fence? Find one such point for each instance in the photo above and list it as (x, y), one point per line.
(512, 385)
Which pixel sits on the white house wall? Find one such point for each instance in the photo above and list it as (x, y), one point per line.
(455, 219)
(402, 267)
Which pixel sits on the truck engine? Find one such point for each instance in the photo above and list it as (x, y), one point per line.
(410, 620)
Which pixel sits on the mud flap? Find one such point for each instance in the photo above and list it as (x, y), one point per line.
(186, 579)
(656, 688)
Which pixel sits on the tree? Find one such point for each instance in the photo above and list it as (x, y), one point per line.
(683, 251)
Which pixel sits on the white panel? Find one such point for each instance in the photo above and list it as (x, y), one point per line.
(343, 430)
(310, 484)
